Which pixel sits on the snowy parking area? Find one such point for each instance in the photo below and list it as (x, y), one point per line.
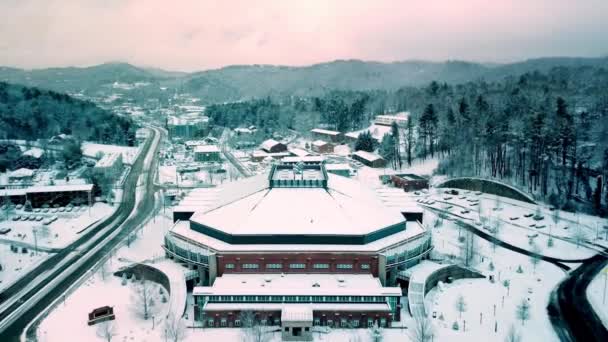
(31, 229)
(16, 264)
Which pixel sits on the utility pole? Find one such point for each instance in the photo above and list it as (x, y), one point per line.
(35, 231)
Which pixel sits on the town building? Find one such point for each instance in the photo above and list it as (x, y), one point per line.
(320, 146)
(341, 169)
(273, 146)
(326, 135)
(297, 247)
(207, 153)
(188, 128)
(110, 165)
(51, 194)
(387, 120)
(369, 159)
(409, 182)
(377, 132)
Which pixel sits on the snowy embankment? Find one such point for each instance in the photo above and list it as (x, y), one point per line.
(597, 294)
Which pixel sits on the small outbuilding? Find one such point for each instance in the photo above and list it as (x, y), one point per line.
(369, 159)
(273, 146)
(320, 146)
(207, 153)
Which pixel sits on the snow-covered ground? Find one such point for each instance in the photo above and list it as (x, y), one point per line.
(597, 293)
(58, 234)
(481, 295)
(16, 264)
(103, 288)
(519, 230)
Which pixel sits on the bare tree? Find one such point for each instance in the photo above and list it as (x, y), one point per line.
(175, 328)
(468, 248)
(106, 330)
(579, 235)
(104, 270)
(523, 311)
(423, 330)
(252, 330)
(143, 294)
(461, 305)
(513, 335)
(535, 258)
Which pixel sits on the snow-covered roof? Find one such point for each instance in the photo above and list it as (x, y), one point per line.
(306, 159)
(297, 284)
(319, 143)
(367, 155)
(35, 152)
(354, 307)
(324, 131)
(206, 149)
(60, 188)
(298, 152)
(21, 173)
(377, 132)
(268, 144)
(344, 208)
(411, 237)
(12, 192)
(340, 166)
(398, 199)
(108, 160)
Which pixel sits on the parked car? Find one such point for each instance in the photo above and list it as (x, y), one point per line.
(17, 218)
(4, 231)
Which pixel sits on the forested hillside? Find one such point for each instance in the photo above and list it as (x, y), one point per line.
(545, 132)
(245, 82)
(31, 113)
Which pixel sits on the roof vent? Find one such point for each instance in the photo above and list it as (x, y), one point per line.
(316, 285)
(340, 280)
(282, 275)
(244, 281)
(267, 279)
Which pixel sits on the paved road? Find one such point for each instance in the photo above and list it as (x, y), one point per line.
(31, 294)
(570, 312)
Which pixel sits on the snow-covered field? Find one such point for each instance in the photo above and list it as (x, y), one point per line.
(15, 265)
(59, 233)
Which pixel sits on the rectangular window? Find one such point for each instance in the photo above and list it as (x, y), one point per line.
(320, 266)
(343, 299)
(356, 323)
(274, 266)
(250, 266)
(277, 298)
(229, 266)
(345, 266)
(303, 299)
(365, 266)
(290, 298)
(237, 298)
(237, 322)
(299, 266)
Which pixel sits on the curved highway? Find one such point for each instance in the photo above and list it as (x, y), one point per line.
(30, 295)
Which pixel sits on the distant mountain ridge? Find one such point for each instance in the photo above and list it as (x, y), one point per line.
(239, 82)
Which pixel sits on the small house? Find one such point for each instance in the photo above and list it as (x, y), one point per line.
(273, 146)
(369, 159)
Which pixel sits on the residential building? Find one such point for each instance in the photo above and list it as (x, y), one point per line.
(369, 159)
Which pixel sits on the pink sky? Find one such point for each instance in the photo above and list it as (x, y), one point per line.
(199, 34)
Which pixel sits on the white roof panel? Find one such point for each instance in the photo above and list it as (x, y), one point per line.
(298, 284)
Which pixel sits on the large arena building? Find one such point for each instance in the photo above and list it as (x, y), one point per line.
(295, 244)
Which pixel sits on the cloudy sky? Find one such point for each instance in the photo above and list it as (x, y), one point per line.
(202, 34)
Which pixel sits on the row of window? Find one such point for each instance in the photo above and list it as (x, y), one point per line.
(299, 266)
(343, 322)
(294, 299)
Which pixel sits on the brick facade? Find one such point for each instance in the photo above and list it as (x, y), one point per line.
(307, 259)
